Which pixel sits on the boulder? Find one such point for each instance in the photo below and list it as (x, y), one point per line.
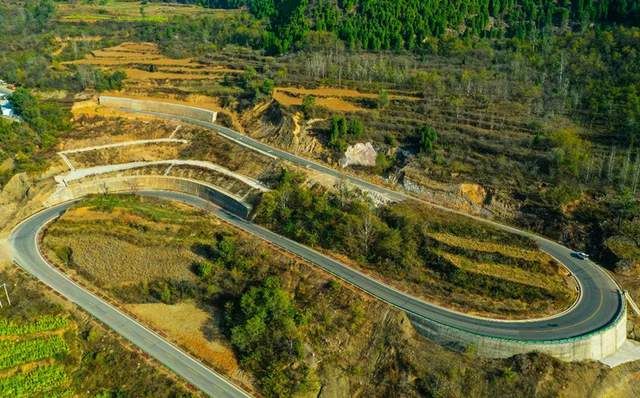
(473, 192)
(360, 154)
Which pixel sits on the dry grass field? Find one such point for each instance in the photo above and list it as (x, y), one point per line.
(113, 262)
(137, 242)
(125, 154)
(186, 322)
(93, 130)
(94, 127)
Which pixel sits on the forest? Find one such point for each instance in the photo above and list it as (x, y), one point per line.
(407, 24)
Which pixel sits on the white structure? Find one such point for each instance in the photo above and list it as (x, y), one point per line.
(5, 106)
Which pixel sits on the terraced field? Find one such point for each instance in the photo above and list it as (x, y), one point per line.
(143, 62)
(49, 349)
(31, 358)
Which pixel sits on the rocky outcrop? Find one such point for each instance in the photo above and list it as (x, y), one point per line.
(22, 196)
(474, 193)
(16, 189)
(360, 154)
(469, 197)
(275, 125)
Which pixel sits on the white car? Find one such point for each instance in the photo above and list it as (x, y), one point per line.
(581, 255)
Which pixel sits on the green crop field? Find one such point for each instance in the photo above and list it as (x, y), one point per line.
(46, 323)
(47, 351)
(42, 379)
(29, 343)
(14, 353)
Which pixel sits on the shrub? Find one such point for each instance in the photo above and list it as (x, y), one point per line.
(263, 326)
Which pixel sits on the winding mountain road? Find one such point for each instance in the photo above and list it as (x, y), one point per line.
(599, 303)
(24, 242)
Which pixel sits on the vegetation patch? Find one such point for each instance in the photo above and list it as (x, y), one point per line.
(145, 241)
(47, 350)
(14, 352)
(40, 380)
(271, 309)
(45, 323)
(396, 242)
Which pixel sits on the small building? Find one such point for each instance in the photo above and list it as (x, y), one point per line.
(7, 111)
(5, 106)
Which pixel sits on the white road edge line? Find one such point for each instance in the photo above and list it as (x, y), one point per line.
(186, 355)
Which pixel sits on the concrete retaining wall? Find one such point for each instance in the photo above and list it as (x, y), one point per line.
(208, 192)
(161, 107)
(593, 346)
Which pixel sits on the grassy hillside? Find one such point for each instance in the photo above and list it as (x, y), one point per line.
(446, 258)
(49, 349)
(243, 307)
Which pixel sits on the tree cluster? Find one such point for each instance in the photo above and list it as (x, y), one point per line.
(394, 240)
(264, 329)
(342, 130)
(405, 24)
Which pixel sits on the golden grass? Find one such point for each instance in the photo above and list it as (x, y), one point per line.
(339, 92)
(332, 98)
(184, 323)
(131, 11)
(507, 272)
(332, 103)
(491, 247)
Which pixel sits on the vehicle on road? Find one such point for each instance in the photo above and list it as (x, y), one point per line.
(580, 255)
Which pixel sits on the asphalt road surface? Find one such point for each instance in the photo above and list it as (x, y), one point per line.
(26, 254)
(599, 304)
(600, 301)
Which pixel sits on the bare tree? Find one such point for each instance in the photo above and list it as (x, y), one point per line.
(625, 168)
(636, 174)
(611, 161)
(366, 233)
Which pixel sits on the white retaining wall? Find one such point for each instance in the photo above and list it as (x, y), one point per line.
(593, 346)
(216, 195)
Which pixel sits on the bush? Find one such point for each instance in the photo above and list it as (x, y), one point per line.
(203, 269)
(308, 106)
(427, 137)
